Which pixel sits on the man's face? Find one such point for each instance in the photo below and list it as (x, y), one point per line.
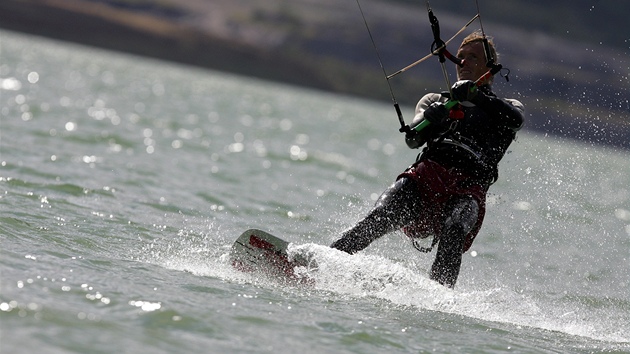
(474, 61)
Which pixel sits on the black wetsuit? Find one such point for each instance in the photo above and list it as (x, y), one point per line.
(476, 143)
(465, 151)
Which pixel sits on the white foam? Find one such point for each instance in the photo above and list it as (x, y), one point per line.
(371, 276)
(364, 275)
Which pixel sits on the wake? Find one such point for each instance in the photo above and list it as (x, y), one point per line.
(365, 276)
(371, 276)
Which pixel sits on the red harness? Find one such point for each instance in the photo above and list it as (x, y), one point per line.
(437, 186)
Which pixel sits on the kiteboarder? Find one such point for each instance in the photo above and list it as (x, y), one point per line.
(443, 193)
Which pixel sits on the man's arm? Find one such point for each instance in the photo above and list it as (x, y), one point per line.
(427, 104)
(508, 112)
(422, 106)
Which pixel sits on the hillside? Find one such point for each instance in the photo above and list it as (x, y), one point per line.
(569, 60)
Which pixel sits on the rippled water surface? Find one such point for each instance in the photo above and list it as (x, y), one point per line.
(124, 182)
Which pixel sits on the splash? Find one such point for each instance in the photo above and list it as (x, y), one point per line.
(370, 276)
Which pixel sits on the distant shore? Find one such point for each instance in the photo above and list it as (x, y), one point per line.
(144, 35)
(95, 23)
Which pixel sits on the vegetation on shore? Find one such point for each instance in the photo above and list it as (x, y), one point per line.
(571, 71)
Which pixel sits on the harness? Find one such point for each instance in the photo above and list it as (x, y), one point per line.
(469, 154)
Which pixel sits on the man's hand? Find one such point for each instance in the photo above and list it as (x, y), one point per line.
(464, 90)
(436, 113)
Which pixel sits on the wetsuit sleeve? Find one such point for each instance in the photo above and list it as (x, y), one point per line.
(416, 139)
(508, 112)
(422, 105)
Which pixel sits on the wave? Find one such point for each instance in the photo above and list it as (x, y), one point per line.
(362, 275)
(365, 276)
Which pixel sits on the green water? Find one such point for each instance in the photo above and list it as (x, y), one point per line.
(124, 181)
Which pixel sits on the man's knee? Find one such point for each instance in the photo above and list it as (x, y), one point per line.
(461, 214)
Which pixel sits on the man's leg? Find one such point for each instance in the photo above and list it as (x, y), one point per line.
(461, 216)
(395, 208)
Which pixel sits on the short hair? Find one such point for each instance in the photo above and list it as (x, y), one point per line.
(478, 36)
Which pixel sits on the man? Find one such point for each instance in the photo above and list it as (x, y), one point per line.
(443, 193)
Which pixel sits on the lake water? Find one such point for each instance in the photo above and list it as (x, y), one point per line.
(124, 181)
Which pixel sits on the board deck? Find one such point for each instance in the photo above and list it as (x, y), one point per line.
(258, 251)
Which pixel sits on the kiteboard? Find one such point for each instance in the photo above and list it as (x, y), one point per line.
(258, 251)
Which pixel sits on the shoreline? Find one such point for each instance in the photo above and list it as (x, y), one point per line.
(145, 35)
(164, 38)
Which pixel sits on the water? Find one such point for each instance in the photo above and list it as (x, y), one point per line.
(124, 181)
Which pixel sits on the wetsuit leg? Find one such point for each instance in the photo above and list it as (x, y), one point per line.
(461, 216)
(395, 208)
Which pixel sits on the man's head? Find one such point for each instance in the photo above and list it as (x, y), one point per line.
(473, 53)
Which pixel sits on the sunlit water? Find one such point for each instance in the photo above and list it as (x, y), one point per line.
(124, 181)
